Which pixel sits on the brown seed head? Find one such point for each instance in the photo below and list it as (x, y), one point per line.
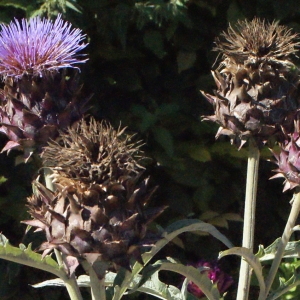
(94, 152)
(256, 41)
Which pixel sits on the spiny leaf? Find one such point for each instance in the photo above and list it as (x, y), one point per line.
(192, 274)
(285, 287)
(253, 261)
(189, 225)
(170, 233)
(153, 286)
(26, 256)
(291, 250)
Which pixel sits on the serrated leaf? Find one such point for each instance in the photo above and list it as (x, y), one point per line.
(284, 287)
(26, 256)
(188, 225)
(192, 274)
(291, 250)
(170, 233)
(253, 261)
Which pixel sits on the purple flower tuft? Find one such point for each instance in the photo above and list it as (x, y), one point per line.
(37, 46)
(215, 274)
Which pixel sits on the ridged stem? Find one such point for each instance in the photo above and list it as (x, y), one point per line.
(288, 230)
(97, 285)
(249, 219)
(70, 281)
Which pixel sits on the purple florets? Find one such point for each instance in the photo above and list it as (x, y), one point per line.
(37, 46)
(215, 274)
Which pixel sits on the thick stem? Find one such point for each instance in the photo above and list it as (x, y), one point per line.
(284, 240)
(249, 219)
(72, 288)
(97, 285)
(70, 281)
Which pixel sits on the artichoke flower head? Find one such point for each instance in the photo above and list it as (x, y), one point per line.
(99, 212)
(257, 82)
(38, 98)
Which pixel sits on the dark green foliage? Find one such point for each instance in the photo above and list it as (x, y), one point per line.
(148, 61)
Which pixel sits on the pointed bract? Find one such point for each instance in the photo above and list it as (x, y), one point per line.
(257, 94)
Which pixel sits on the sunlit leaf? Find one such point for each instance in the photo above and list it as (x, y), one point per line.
(192, 274)
(26, 256)
(253, 261)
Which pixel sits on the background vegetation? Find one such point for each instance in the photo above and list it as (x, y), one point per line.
(148, 61)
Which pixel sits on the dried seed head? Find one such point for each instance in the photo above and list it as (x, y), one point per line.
(257, 83)
(99, 211)
(256, 41)
(93, 152)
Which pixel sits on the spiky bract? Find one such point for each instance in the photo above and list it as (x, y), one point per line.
(37, 46)
(33, 110)
(257, 83)
(288, 160)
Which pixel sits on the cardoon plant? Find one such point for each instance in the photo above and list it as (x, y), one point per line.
(38, 98)
(94, 208)
(256, 100)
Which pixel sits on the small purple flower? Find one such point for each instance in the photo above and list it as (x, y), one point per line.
(224, 281)
(37, 46)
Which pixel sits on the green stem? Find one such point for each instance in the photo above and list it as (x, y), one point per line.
(70, 281)
(249, 219)
(284, 240)
(48, 180)
(72, 288)
(97, 285)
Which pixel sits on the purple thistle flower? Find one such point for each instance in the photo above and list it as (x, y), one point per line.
(215, 274)
(37, 46)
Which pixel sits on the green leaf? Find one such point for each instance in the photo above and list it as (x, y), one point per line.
(292, 250)
(153, 40)
(25, 256)
(185, 60)
(192, 274)
(165, 139)
(253, 261)
(170, 233)
(148, 119)
(73, 6)
(199, 153)
(188, 225)
(22, 4)
(153, 286)
(2, 179)
(285, 286)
